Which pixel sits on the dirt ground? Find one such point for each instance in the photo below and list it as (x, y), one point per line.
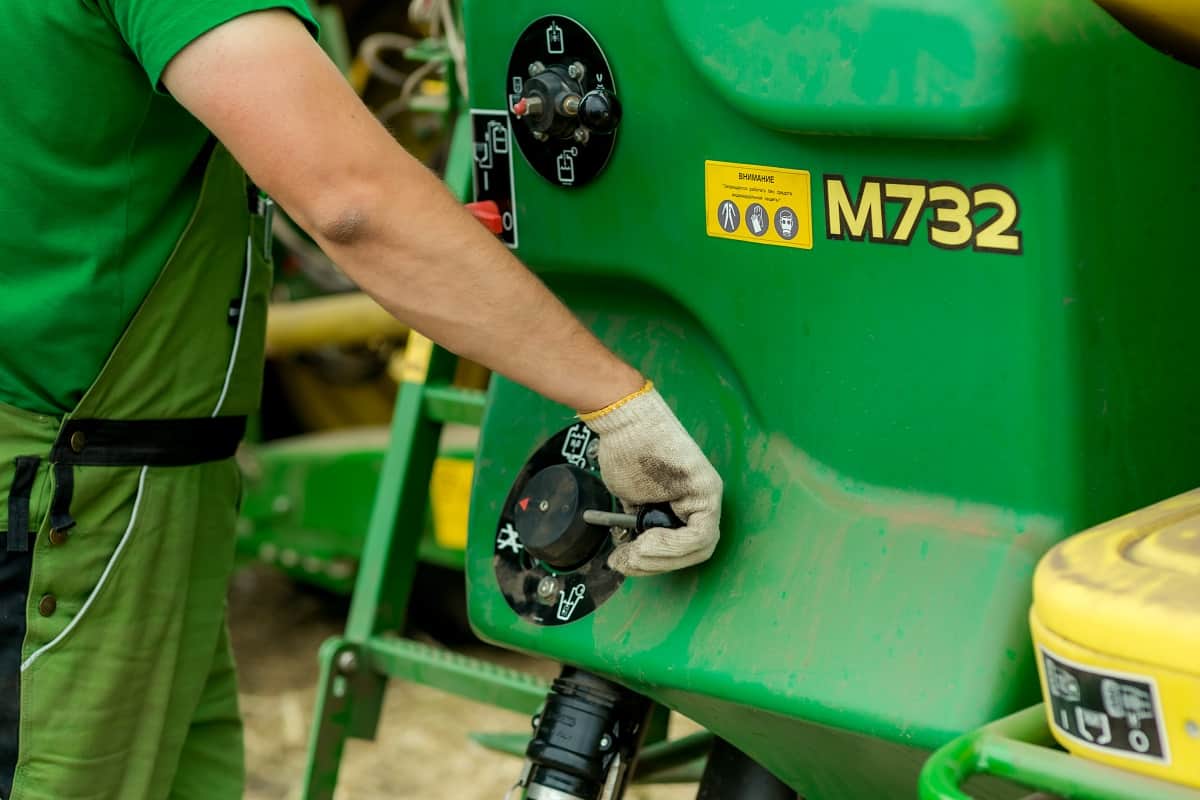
(422, 751)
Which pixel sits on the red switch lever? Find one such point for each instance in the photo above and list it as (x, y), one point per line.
(487, 212)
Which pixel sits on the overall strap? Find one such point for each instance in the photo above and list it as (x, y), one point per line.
(24, 475)
(194, 347)
(153, 443)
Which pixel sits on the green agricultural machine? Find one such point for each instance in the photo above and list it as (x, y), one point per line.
(921, 277)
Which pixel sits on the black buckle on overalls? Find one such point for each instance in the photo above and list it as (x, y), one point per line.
(60, 503)
(261, 205)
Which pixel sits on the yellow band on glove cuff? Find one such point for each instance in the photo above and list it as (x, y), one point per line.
(611, 407)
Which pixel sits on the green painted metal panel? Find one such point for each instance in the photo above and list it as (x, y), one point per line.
(903, 429)
(307, 502)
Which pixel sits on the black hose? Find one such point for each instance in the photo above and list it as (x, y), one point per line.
(732, 775)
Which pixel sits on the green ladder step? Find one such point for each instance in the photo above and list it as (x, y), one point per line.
(450, 404)
(465, 676)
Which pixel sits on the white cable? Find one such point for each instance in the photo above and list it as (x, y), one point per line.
(371, 52)
(108, 568)
(423, 12)
(401, 103)
(454, 43)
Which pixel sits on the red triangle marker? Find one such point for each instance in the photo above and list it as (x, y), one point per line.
(524, 504)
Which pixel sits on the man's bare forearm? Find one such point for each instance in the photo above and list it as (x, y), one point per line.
(435, 267)
(263, 86)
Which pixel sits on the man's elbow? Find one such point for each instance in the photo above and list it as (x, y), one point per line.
(338, 214)
(343, 227)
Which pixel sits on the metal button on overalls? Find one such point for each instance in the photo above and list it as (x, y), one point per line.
(48, 605)
(78, 441)
(58, 537)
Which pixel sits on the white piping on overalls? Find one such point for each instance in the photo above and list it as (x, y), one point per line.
(108, 568)
(137, 502)
(237, 337)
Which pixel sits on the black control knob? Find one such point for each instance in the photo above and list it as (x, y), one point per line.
(549, 516)
(600, 111)
(550, 103)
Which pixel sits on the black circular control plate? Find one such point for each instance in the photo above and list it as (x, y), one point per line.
(561, 42)
(538, 594)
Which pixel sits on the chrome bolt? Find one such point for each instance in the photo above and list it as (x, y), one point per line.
(536, 68)
(605, 743)
(533, 105)
(570, 106)
(347, 661)
(537, 720)
(582, 135)
(544, 505)
(547, 588)
(576, 70)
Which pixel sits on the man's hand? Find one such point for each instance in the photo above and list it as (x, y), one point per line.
(646, 456)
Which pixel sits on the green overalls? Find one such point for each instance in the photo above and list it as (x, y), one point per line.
(120, 521)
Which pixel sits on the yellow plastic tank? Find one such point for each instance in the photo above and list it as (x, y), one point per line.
(1116, 622)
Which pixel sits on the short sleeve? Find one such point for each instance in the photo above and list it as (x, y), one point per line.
(156, 30)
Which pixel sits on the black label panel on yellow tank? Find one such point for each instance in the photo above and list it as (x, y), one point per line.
(1114, 712)
(493, 172)
(536, 593)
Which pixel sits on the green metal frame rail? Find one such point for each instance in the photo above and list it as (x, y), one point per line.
(356, 666)
(1020, 748)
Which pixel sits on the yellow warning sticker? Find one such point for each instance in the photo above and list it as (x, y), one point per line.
(751, 203)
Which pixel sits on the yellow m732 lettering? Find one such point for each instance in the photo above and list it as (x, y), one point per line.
(983, 218)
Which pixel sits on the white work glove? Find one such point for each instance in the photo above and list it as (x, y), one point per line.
(646, 456)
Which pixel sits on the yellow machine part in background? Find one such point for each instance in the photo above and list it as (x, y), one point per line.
(1116, 624)
(450, 496)
(1170, 25)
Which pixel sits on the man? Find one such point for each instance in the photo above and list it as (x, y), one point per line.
(133, 282)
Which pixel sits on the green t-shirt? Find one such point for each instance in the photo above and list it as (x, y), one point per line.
(99, 173)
